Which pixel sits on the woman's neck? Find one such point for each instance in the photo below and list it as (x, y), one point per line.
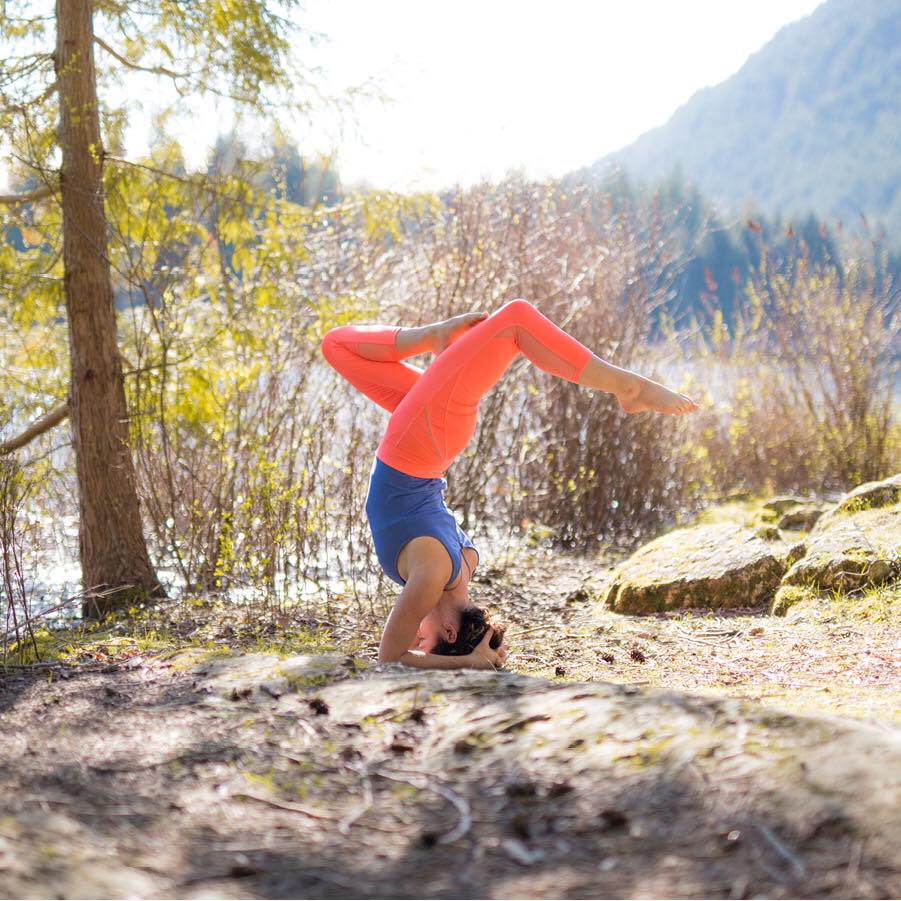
(455, 599)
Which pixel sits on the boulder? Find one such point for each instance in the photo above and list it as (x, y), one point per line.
(236, 678)
(594, 745)
(720, 565)
(803, 517)
(395, 780)
(845, 552)
(884, 493)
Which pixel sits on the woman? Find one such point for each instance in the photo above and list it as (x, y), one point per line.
(433, 415)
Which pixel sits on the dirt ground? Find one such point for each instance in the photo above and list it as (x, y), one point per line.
(134, 775)
(839, 657)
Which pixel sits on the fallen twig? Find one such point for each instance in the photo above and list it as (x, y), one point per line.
(727, 640)
(464, 821)
(283, 805)
(795, 862)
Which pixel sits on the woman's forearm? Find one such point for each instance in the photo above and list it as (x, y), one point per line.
(422, 660)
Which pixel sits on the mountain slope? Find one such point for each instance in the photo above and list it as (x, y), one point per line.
(812, 121)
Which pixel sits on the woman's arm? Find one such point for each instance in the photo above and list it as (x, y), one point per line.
(483, 657)
(422, 660)
(429, 568)
(429, 571)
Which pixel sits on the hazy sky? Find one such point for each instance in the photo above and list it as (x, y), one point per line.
(482, 86)
(479, 87)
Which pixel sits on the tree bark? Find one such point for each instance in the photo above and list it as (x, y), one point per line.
(113, 551)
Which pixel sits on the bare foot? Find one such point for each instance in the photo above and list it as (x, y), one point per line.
(449, 330)
(642, 394)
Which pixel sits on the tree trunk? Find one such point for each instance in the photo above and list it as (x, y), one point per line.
(114, 557)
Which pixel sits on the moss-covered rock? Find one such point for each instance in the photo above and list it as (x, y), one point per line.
(794, 553)
(717, 566)
(848, 551)
(789, 595)
(884, 493)
(768, 533)
(236, 677)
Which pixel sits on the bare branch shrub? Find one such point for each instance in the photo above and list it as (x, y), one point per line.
(253, 455)
(15, 596)
(812, 367)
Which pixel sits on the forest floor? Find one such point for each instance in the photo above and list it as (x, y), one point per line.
(134, 770)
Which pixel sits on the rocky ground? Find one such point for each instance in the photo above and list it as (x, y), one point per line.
(681, 753)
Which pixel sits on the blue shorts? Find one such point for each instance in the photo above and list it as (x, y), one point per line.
(401, 507)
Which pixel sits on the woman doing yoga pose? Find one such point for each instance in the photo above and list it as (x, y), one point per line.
(433, 415)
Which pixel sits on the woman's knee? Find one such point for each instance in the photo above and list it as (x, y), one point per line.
(516, 310)
(331, 342)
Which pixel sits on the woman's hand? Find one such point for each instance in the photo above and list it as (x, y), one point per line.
(486, 657)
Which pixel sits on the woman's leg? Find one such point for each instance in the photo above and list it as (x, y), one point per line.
(436, 419)
(368, 357)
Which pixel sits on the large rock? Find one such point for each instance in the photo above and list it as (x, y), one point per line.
(884, 493)
(435, 784)
(238, 677)
(594, 745)
(721, 565)
(847, 551)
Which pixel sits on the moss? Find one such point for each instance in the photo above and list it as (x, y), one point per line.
(885, 496)
(650, 754)
(789, 595)
(187, 658)
(872, 602)
(876, 603)
(300, 682)
(746, 510)
(794, 554)
(265, 780)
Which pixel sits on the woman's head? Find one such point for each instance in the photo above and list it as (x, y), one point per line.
(474, 623)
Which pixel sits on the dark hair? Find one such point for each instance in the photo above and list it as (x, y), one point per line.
(474, 623)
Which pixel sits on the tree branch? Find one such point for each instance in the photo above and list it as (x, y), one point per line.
(154, 70)
(27, 197)
(24, 107)
(44, 424)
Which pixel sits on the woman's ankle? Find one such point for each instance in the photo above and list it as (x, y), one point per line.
(603, 376)
(419, 339)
